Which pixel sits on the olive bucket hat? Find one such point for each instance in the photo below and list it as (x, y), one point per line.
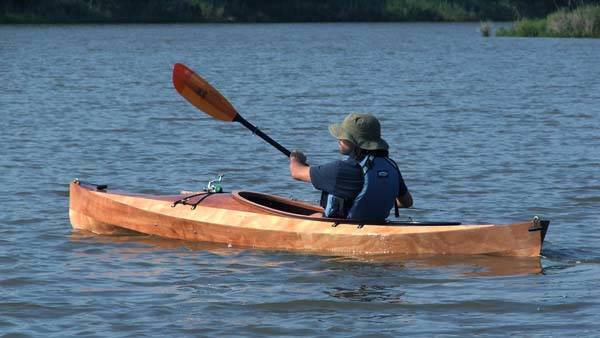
(361, 129)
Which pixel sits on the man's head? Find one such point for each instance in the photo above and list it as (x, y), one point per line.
(359, 130)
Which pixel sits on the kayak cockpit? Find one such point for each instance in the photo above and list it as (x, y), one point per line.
(277, 205)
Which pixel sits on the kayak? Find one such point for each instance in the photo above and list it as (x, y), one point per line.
(258, 220)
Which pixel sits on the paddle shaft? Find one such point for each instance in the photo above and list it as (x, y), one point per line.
(262, 135)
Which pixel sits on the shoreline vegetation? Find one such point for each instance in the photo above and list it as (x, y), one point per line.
(581, 22)
(212, 11)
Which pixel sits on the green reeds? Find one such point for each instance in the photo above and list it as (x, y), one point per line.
(582, 22)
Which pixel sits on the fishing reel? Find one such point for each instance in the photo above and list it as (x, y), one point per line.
(214, 186)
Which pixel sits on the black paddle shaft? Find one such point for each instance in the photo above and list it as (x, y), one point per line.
(262, 135)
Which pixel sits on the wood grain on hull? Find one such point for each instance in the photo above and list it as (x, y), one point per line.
(221, 219)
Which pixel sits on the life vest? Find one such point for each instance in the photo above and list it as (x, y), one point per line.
(379, 192)
(335, 206)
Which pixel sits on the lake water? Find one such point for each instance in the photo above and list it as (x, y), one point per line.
(484, 130)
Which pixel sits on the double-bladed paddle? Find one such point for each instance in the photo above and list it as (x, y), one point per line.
(206, 98)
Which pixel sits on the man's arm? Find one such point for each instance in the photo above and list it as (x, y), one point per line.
(298, 167)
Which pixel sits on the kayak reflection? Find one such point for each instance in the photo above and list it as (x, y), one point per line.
(462, 265)
(152, 244)
(459, 265)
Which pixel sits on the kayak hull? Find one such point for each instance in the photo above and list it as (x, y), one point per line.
(230, 219)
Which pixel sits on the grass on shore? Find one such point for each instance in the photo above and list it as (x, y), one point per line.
(582, 22)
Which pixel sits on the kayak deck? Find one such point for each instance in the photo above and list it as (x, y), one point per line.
(258, 220)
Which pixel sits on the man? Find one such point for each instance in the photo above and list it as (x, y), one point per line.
(366, 185)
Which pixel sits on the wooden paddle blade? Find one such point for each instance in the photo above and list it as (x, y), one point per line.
(201, 94)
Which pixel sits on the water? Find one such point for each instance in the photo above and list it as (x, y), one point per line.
(484, 130)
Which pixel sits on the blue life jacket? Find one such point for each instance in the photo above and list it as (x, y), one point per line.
(335, 206)
(379, 192)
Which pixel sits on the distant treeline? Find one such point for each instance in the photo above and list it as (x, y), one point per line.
(76, 11)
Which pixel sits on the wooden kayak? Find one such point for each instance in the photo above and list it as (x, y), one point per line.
(250, 219)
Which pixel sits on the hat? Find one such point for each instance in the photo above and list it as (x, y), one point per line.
(361, 129)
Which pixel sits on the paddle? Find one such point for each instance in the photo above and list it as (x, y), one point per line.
(206, 98)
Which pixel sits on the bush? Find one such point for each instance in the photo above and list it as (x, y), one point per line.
(531, 28)
(525, 27)
(581, 22)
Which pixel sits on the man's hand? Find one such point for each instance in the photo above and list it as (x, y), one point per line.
(298, 167)
(405, 201)
(298, 156)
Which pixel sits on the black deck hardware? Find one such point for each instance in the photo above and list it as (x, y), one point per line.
(540, 225)
(202, 199)
(97, 187)
(185, 199)
(203, 195)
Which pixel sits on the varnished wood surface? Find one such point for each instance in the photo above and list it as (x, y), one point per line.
(222, 219)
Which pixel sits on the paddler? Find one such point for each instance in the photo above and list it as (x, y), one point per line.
(364, 186)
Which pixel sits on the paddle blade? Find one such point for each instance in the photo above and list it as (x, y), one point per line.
(201, 94)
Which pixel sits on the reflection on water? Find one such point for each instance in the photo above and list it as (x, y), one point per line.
(486, 265)
(367, 293)
(471, 265)
(152, 243)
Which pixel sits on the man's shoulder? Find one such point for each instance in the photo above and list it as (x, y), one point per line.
(334, 170)
(345, 165)
(329, 168)
(339, 177)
